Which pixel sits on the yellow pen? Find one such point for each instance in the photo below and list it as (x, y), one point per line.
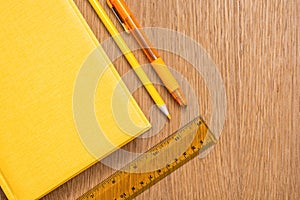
(130, 24)
(130, 57)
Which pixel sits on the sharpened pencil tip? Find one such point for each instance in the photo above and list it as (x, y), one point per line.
(169, 116)
(164, 109)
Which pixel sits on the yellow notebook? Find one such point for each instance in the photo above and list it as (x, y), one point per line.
(58, 116)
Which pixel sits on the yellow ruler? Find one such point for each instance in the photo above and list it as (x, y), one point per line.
(155, 164)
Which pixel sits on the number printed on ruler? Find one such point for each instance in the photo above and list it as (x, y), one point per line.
(135, 178)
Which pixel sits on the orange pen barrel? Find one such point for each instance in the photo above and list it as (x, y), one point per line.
(131, 24)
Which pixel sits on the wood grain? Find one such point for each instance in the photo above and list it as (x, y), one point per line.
(255, 45)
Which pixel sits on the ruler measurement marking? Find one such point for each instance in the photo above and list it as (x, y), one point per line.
(131, 184)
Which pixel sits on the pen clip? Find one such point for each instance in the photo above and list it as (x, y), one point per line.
(120, 19)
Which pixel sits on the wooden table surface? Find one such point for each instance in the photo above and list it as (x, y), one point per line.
(255, 46)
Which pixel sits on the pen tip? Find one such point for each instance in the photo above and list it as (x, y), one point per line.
(179, 97)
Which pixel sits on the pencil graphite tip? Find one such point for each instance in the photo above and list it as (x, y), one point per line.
(164, 109)
(169, 116)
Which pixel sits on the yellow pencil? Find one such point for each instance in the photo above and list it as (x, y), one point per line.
(130, 57)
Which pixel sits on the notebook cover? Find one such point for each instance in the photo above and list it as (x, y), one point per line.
(43, 47)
